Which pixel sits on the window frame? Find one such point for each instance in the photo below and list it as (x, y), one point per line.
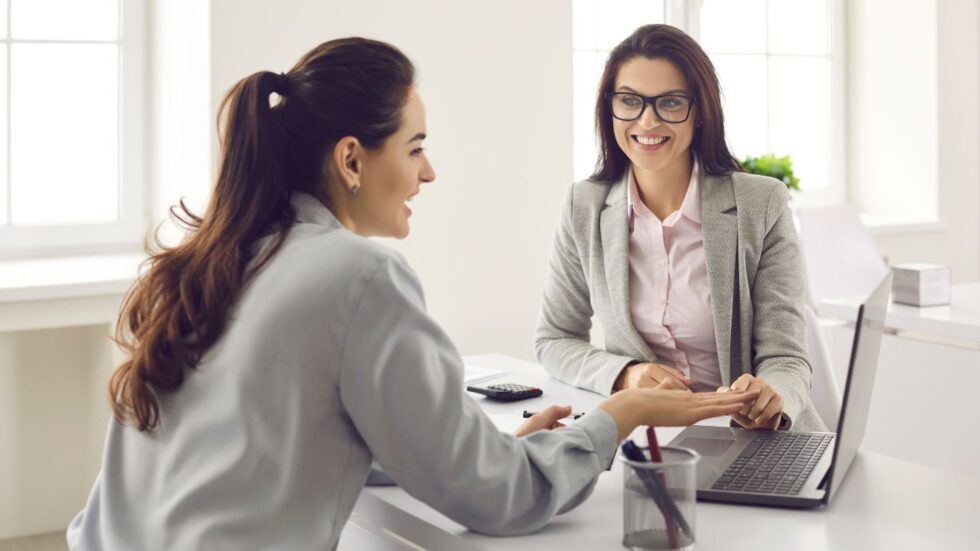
(127, 232)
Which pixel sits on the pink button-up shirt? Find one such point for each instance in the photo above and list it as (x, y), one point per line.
(670, 299)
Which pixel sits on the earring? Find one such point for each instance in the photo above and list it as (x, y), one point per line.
(354, 189)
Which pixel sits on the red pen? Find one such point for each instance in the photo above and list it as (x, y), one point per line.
(657, 457)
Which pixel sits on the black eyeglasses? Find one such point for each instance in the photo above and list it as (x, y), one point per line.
(670, 108)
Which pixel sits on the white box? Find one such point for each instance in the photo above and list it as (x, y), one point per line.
(921, 284)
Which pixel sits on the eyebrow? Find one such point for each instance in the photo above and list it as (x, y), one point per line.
(669, 92)
(420, 136)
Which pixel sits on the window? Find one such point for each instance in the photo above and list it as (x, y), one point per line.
(780, 92)
(597, 26)
(778, 65)
(71, 103)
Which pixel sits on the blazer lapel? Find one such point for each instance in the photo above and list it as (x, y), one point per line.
(719, 222)
(614, 231)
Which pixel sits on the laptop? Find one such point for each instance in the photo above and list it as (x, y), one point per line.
(794, 469)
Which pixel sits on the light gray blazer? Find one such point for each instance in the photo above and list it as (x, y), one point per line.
(754, 269)
(328, 361)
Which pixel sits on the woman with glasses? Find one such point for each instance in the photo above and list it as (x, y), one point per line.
(691, 266)
(276, 351)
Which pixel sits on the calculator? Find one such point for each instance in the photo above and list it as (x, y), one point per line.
(506, 392)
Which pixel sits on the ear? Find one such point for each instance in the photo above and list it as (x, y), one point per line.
(348, 161)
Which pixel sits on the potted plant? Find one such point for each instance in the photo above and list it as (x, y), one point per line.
(780, 168)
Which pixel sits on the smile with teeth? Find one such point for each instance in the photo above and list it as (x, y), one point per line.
(650, 140)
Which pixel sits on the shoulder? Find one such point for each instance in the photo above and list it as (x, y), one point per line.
(758, 194)
(585, 197)
(337, 258)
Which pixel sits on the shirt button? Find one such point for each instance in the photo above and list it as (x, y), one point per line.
(662, 262)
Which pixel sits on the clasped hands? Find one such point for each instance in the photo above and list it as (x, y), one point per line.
(765, 412)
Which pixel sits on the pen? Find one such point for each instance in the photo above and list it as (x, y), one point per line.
(573, 415)
(657, 457)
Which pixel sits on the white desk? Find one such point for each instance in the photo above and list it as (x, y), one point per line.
(957, 321)
(884, 503)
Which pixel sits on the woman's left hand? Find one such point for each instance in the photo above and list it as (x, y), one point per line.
(545, 419)
(765, 412)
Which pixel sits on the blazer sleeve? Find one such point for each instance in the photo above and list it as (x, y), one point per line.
(562, 342)
(401, 384)
(779, 333)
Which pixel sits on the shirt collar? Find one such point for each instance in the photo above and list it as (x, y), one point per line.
(310, 210)
(690, 206)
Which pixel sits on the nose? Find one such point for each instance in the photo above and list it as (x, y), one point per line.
(427, 174)
(648, 119)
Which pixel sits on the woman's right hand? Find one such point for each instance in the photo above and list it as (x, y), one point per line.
(651, 375)
(670, 408)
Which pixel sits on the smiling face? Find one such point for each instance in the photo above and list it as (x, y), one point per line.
(392, 176)
(650, 143)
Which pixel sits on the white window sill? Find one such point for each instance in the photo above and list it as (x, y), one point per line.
(894, 225)
(49, 293)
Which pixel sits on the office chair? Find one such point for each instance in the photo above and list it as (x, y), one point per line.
(825, 390)
(840, 257)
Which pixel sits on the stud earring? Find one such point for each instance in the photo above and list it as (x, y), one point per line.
(354, 189)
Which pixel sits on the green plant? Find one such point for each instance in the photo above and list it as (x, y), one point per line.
(780, 168)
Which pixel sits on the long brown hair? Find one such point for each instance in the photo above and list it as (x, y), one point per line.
(179, 307)
(672, 44)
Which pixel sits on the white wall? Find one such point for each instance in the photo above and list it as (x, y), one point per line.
(180, 114)
(53, 415)
(891, 108)
(912, 62)
(496, 80)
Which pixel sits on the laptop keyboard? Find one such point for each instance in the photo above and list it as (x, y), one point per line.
(774, 463)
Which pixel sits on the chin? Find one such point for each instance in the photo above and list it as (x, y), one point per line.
(401, 232)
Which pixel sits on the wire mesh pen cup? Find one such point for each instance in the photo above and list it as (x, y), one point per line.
(659, 500)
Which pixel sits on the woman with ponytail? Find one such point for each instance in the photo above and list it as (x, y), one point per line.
(276, 351)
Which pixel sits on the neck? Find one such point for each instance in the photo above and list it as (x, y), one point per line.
(663, 191)
(339, 205)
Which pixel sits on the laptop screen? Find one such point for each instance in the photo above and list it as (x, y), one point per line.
(868, 330)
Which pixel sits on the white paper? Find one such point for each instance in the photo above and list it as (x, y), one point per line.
(473, 374)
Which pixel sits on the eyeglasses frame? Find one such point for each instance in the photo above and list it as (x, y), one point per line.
(651, 101)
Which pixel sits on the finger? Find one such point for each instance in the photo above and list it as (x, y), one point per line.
(648, 381)
(557, 426)
(754, 384)
(742, 382)
(723, 389)
(741, 420)
(765, 396)
(725, 398)
(551, 414)
(670, 383)
(773, 411)
(707, 412)
(676, 373)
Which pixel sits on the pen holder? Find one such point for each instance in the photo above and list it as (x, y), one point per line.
(659, 500)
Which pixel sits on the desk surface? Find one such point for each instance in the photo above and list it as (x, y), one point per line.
(960, 319)
(884, 503)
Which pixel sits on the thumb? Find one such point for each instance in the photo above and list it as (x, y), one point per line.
(551, 414)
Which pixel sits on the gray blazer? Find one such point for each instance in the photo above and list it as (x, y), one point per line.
(754, 269)
(329, 361)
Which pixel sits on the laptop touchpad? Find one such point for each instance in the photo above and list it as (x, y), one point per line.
(707, 446)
